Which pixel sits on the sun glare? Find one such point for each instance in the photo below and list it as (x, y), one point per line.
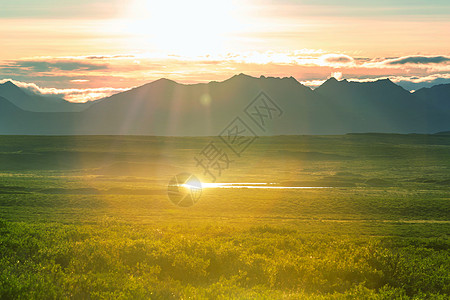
(183, 27)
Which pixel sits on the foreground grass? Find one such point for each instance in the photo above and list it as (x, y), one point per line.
(118, 260)
(89, 218)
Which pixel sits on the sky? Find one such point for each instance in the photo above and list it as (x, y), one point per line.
(83, 50)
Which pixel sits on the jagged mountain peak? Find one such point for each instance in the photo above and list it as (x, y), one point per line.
(11, 87)
(8, 83)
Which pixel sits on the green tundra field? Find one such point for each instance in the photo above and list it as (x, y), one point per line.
(88, 217)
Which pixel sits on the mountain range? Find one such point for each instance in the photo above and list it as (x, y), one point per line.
(167, 108)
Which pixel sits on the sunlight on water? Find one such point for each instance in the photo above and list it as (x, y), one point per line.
(254, 185)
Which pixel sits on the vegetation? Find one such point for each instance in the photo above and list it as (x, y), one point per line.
(88, 217)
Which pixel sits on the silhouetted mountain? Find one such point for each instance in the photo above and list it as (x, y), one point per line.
(164, 107)
(438, 96)
(7, 108)
(29, 101)
(14, 120)
(381, 106)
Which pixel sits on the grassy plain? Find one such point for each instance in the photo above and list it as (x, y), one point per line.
(88, 217)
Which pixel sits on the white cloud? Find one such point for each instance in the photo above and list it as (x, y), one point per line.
(411, 83)
(337, 75)
(72, 95)
(312, 83)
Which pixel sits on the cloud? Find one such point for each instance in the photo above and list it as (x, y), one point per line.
(79, 80)
(411, 83)
(312, 83)
(84, 78)
(72, 95)
(85, 95)
(52, 65)
(101, 57)
(417, 82)
(337, 75)
(336, 59)
(416, 59)
(151, 65)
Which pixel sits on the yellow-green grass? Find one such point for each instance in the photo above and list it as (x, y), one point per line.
(89, 217)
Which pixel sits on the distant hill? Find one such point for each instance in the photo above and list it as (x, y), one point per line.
(164, 107)
(443, 133)
(438, 96)
(14, 120)
(37, 103)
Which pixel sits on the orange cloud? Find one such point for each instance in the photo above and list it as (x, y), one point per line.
(96, 76)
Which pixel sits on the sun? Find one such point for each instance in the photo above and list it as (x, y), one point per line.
(193, 27)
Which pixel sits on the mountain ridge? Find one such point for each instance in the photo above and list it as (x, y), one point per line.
(165, 107)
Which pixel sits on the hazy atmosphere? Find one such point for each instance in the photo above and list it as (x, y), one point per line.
(252, 149)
